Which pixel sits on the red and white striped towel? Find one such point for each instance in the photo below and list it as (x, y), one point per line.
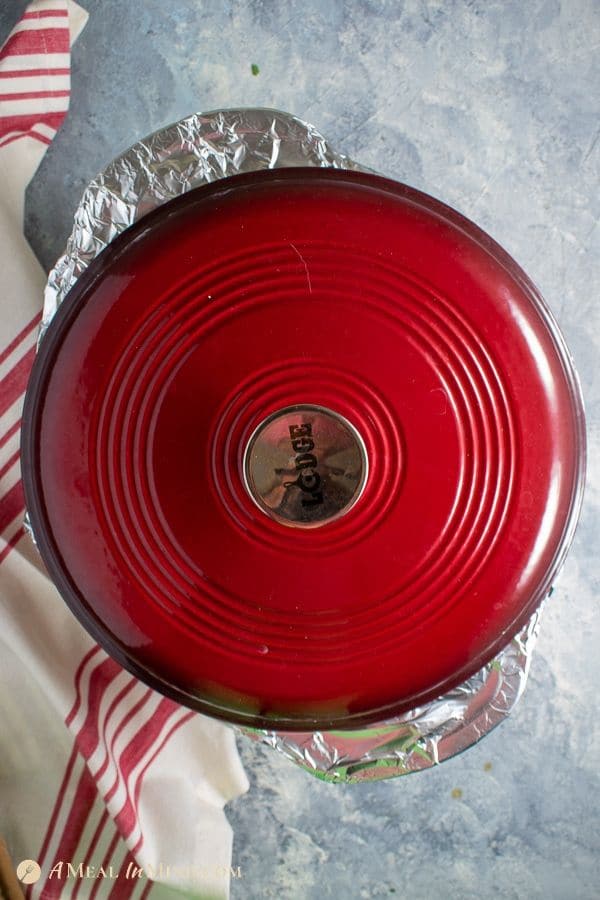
(133, 780)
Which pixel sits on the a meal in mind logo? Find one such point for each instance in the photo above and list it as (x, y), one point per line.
(28, 871)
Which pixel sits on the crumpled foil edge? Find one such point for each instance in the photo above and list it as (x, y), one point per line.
(423, 737)
(195, 151)
(199, 149)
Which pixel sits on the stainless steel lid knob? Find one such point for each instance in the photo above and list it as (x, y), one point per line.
(305, 466)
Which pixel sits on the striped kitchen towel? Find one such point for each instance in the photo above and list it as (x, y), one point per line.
(106, 788)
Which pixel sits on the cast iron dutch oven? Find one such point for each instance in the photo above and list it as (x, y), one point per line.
(303, 449)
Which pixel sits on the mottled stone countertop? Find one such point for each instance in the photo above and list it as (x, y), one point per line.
(492, 106)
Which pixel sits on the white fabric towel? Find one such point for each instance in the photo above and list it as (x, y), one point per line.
(133, 781)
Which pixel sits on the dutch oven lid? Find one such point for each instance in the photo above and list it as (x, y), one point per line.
(303, 448)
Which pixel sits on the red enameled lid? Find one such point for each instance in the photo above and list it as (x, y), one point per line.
(303, 448)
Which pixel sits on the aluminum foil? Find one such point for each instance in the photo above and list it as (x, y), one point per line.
(421, 738)
(195, 151)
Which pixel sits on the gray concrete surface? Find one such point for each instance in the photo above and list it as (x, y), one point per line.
(493, 107)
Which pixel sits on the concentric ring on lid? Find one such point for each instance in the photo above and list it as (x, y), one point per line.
(433, 364)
